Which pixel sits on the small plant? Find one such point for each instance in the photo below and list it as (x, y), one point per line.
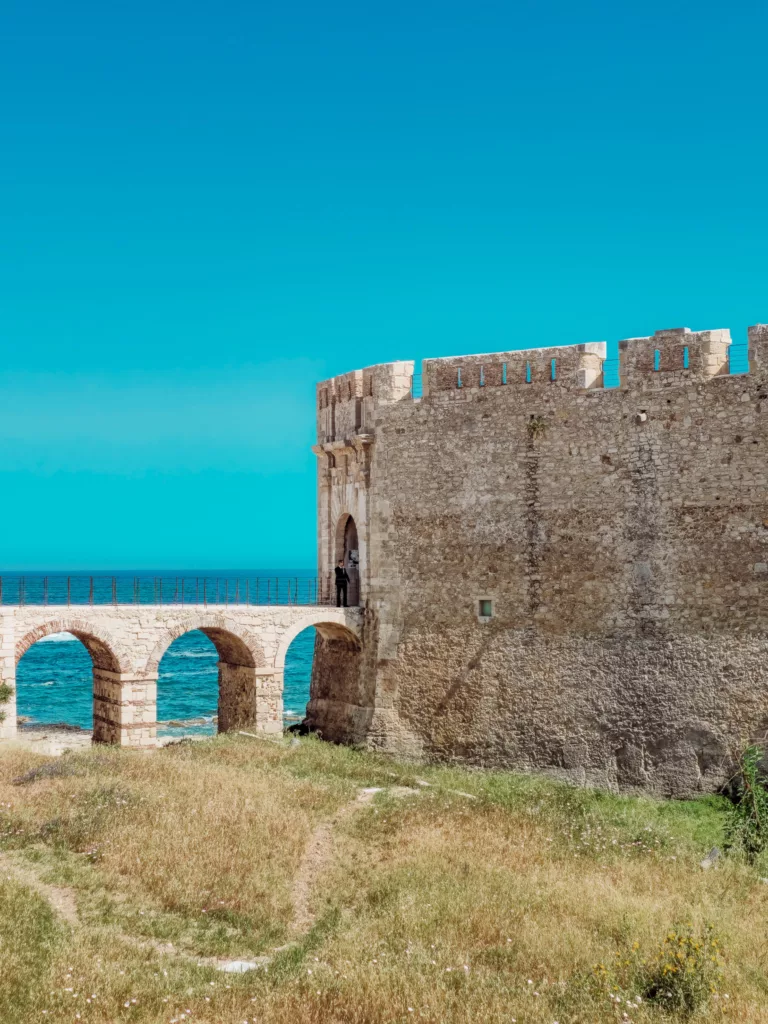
(686, 970)
(537, 427)
(747, 826)
(682, 975)
(6, 692)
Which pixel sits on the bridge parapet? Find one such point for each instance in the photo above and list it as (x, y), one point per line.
(35, 589)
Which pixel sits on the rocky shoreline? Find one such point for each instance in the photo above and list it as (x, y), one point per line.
(53, 738)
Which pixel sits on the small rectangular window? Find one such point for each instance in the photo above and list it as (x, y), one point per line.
(685, 358)
(458, 378)
(503, 373)
(553, 369)
(656, 360)
(485, 608)
(527, 373)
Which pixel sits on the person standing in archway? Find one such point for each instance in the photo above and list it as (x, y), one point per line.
(342, 582)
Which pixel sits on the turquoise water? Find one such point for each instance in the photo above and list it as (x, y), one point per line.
(54, 682)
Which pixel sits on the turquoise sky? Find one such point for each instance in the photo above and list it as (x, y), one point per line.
(206, 207)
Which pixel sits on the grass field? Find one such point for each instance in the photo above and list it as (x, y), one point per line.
(126, 878)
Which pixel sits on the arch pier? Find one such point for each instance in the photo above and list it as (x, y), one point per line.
(126, 643)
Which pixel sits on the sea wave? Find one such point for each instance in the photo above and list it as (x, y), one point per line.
(190, 654)
(58, 638)
(190, 673)
(183, 723)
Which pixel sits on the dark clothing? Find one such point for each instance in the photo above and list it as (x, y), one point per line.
(342, 580)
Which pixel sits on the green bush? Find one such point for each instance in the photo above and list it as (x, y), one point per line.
(686, 970)
(6, 692)
(746, 828)
(681, 975)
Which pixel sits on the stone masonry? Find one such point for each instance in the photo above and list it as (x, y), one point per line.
(556, 576)
(126, 643)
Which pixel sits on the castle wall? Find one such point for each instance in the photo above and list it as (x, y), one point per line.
(622, 538)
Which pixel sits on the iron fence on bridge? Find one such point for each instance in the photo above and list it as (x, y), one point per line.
(181, 590)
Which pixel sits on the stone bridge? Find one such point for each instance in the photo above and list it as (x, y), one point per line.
(126, 643)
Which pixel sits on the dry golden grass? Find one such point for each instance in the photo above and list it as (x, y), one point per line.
(189, 844)
(432, 907)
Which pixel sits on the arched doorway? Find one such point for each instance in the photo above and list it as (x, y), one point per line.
(348, 551)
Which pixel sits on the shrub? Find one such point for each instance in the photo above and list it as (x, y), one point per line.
(681, 975)
(686, 970)
(747, 825)
(5, 695)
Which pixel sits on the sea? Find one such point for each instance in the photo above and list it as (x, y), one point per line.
(54, 683)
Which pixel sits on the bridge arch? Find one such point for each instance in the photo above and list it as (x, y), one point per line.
(232, 642)
(338, 701)
(241, 657)
(105, 651)
(331, 624)
(111, 666)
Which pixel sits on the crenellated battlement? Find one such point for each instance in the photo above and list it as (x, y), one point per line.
(346, 404)
(670, 357)
(566, 366)
(757, 337)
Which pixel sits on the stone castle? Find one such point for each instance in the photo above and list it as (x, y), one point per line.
(555, 575)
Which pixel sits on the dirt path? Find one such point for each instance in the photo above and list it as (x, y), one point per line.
(320, 851)
(316, 858)
(61, 899)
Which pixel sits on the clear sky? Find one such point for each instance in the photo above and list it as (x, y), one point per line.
(206, 207)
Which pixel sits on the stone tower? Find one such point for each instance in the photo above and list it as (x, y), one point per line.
(556, 575)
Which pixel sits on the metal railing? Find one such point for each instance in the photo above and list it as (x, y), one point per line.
(181, 590)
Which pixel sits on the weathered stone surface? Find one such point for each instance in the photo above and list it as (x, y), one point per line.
(620, 534)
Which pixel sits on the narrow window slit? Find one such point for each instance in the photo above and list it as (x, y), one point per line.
(503, 373)
(656, 359)
(527, 373)
(458, 378)
(553, 369)
(685, 358)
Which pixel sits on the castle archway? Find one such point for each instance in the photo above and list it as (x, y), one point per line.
(348, 551)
